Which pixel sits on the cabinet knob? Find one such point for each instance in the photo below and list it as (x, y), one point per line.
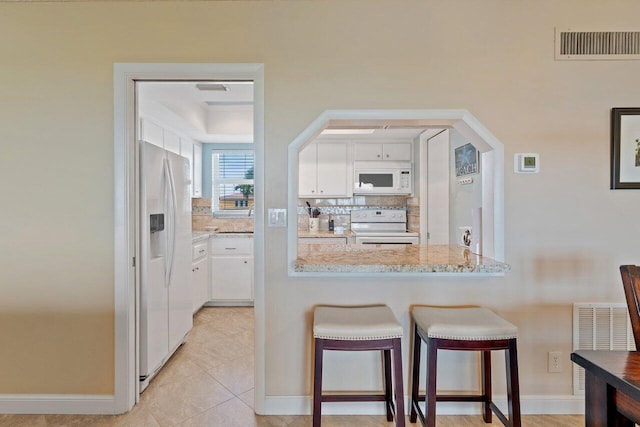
(387, 155)
(322, 191)
(378, 155)
(246, 262)
(313, 191)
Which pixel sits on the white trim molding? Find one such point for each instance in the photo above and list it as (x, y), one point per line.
(529, 404)
(88, 404)
(124, 77)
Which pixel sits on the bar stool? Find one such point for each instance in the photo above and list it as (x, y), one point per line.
(359, 329)
(469, 328)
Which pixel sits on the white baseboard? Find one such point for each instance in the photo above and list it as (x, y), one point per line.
(56, 404)
(533, 404)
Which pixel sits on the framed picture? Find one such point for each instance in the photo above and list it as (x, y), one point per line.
(625, 148)
(466, 157)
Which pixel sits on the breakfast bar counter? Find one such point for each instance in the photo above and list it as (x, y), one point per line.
(313, 258)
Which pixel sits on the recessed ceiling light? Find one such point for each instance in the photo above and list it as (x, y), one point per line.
(212, 86)
(347, 131)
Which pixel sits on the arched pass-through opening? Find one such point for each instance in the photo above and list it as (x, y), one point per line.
(491, 154)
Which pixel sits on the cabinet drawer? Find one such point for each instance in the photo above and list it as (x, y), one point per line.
(231, 246)
(199, 250)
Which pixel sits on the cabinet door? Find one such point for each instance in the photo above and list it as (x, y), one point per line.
(333, 177)
(363, 151)
(307, 171)
(232, 278)
(171, 141)
(186, 150)
(197, 169)
(150, 132)
(399, 152)
(199, 277)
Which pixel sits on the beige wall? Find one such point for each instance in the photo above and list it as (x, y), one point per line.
(566, 232)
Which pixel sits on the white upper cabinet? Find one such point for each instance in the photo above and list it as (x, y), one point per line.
(151, 132)
(324, 170)
(171, 141)
(186, 150)
(382, 151)
(185, 147)
(197, 169)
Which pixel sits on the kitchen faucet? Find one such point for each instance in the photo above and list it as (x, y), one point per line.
(250, 212)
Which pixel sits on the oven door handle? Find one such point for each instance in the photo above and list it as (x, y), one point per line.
(386, 243)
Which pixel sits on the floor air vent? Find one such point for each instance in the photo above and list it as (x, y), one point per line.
(603, 45)
(599, 326)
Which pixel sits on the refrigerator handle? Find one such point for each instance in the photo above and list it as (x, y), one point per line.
(172, 219)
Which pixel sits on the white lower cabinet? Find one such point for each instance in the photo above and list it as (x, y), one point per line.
(231, 263)
(200, 280)
(199, 275)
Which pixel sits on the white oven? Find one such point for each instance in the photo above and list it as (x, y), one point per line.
(388, 239)
(382, 178)
(382, 227)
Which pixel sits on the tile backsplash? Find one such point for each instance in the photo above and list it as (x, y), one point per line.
(337, 209)
(340, 209)
(202, 220)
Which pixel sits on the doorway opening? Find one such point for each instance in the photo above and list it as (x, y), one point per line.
(128, 129)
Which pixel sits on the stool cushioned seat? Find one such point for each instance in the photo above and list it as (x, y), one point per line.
(355, 323)
(468, 323)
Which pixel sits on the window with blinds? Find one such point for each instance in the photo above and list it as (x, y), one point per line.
(232, 182)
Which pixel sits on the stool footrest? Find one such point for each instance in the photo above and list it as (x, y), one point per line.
(455, 398)
(460, 398)
(353, 398)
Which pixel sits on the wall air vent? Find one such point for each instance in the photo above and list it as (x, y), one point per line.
(599, 326)
(575, 45)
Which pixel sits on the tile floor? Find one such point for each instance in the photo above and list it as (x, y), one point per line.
(209, 383)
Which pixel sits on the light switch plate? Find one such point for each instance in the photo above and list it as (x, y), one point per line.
(277, 217)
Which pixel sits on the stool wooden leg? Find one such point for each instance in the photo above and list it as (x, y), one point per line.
(398, 385)
(388, 384)
(432, 368)
(317, 382)
(513, 387)
(486, 385)
(415, 376)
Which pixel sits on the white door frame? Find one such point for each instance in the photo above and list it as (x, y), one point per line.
(124, 77)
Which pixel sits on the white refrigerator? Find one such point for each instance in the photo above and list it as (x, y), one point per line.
(165, 309)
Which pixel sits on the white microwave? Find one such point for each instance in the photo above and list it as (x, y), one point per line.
(382, 178)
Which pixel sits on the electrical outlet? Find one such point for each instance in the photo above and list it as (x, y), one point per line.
(555, 361)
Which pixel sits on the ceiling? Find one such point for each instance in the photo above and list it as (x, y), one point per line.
(221, 115)
(222, 112)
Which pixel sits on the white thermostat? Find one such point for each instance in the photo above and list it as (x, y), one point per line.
(526, 163)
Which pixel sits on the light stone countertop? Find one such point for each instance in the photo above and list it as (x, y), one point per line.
(197, 236)
(393, 259)
(232, 234)
(324, 234)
